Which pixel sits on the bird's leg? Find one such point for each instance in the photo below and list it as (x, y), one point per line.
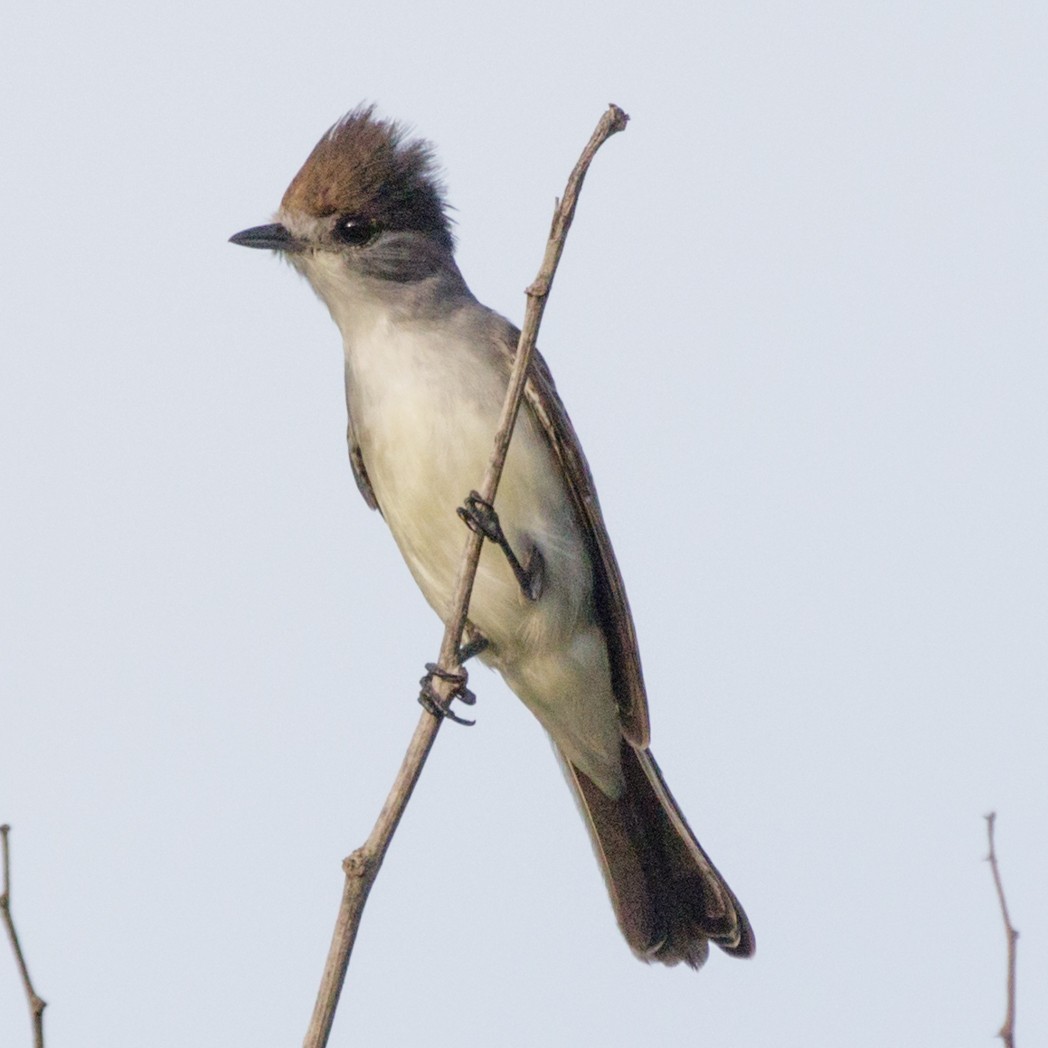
(480, 516)
(476, 642)
(431, 700)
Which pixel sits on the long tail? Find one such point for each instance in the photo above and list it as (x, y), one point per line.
(669, 899)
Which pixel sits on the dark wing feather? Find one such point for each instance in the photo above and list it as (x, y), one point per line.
(356, 460)
(613, 608)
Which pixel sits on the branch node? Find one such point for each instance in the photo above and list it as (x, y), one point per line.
(357, 864)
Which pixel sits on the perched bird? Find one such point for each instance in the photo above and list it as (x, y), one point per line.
(427, 368)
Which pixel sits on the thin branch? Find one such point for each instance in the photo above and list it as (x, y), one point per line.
(361, 868)
(1007, 1030)
(36, 1003)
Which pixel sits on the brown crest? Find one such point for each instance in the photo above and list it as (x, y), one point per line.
(365, 166)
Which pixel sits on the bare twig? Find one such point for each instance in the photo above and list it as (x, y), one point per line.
(361, 868)
(36, 1003)
(1007, 1030)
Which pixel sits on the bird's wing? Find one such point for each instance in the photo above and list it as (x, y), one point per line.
(356, 460)
(609, 591)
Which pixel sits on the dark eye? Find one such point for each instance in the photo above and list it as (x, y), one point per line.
(355, 230)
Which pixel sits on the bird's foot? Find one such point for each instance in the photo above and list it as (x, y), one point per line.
(479, 515)
(432, 701)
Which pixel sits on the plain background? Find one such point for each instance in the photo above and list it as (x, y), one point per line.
(801, 329)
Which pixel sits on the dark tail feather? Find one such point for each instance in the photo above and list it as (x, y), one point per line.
(669, 899)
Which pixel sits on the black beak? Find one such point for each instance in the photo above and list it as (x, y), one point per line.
(274, 237)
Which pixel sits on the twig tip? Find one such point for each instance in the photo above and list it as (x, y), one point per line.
(618, 117)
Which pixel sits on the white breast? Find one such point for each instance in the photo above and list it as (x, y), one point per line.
(425, 403)
(425, 389)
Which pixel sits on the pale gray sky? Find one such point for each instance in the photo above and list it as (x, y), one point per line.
(801, 329)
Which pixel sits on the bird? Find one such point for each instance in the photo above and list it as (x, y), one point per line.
(365, 221)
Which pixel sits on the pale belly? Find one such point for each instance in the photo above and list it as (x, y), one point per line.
(426, 437)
